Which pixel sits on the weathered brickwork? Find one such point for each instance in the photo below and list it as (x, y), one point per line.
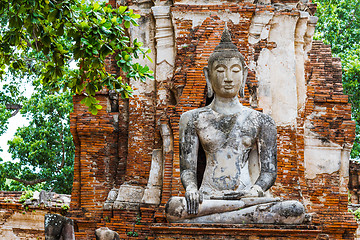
(329, 114)
(96, 162)
(140, 139)
(326, 100)
(248, 232)
(116, 145)
(287, 181)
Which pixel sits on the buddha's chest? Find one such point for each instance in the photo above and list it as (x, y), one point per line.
(236, 133)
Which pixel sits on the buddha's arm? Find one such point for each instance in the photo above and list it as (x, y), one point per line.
(189, 145)
(267, 153)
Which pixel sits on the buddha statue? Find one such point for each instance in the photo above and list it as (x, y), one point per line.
(240, 149)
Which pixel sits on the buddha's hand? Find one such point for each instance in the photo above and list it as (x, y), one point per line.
(234, 195)
(254, 191)
(193, 199)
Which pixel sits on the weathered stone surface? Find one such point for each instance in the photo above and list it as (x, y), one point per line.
(58, 227)
(151, 196)
(152, 191)
(128, 194)
(105, 233)
(111, 199)
(176, 207)
(285, 212)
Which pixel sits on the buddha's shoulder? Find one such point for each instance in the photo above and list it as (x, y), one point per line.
(207, 113)
(260, 117)
(195, 113)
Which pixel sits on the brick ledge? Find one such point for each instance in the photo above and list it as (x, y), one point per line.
(171, 230)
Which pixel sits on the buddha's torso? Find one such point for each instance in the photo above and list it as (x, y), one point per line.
(227, 141)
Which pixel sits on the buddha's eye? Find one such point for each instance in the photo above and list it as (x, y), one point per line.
(220, 69)
(236, 69)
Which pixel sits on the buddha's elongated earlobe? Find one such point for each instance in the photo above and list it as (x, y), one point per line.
(210, 91)
(242, 88)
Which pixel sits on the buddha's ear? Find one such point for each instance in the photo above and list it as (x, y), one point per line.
(242, 89)
(210, 91)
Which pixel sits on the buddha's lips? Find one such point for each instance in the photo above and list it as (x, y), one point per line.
(228, 86)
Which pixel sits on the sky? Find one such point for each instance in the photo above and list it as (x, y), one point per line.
(14, 123)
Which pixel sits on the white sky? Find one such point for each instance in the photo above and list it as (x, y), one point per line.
(14, 123)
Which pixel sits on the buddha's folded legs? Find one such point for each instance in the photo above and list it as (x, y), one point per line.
(262, 210)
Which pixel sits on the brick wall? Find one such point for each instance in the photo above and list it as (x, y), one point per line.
(334, 124)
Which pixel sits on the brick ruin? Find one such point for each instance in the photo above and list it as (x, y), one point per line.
(127, 156)
(25, 220)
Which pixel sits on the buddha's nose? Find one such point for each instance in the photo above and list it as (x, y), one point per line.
(227, 80)
(227, 77)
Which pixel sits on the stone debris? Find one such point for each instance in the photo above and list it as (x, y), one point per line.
(39, 199)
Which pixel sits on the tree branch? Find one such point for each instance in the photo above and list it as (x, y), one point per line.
(27, 42)
(28, 183)
(63, 151)
(15, 107)
(31, 59)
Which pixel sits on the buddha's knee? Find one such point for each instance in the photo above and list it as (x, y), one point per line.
(290, 212)
(289, 209)
(175, 209)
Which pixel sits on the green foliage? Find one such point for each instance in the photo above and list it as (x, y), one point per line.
(64, 209)
(44, 149)
(4, 116)
(57, 32)
(38, 41)
(356, 213)
(12, 185)
(132, 234)
(138, 220)
(26, 195)
(339, 25)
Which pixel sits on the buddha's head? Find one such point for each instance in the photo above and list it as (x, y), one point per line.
(226, 72)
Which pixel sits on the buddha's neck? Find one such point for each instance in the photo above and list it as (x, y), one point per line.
(226, 105)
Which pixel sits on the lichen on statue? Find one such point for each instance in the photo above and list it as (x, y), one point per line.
(240, 149)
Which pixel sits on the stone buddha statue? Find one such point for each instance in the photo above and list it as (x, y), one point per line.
(240, 149)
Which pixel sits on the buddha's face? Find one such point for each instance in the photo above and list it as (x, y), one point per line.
(226, 76)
